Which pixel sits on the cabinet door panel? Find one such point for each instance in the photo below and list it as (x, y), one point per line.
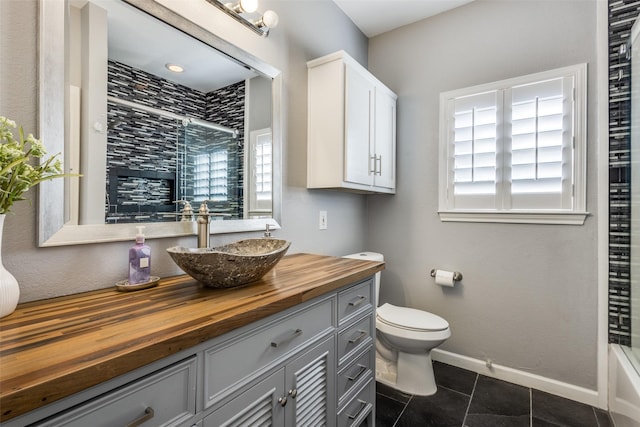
(262, 347)
(256, 407)
(165, 398)
(359, 99)
(385, 140)
(310, 381)
(355, 338)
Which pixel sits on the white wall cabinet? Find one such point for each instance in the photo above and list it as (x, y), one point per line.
(351, 141)
(310, 365)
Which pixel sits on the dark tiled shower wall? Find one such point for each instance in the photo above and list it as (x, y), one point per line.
(140, 141)
(622, 15)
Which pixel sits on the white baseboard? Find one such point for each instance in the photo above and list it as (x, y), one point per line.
(526, 379)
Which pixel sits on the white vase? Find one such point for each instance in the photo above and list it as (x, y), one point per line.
(9, 289)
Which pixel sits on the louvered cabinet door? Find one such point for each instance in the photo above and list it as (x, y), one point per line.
(310, 387)
(259, 406)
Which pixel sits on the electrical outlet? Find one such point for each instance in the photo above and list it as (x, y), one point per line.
(323, 220)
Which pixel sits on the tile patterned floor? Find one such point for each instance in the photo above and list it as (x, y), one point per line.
(467, 399)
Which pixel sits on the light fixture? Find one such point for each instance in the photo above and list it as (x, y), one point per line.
(268, 20)
(240, 10)
(243, 6)
(174, 67)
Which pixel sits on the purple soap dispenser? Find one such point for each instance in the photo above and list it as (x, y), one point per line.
(139, 260)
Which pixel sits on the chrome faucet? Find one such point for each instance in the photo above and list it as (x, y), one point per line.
(203, 225)
(204, 222)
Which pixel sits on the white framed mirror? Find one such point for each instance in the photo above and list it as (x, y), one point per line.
(92, 125)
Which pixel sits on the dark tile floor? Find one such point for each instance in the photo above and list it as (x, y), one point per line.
(467, 399)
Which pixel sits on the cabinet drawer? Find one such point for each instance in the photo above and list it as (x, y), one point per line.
(231, 363)
(360, 408)
(355, 338)
(165, 398)
(355, 373)
(355, 300)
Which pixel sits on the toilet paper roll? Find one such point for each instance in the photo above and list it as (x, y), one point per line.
(444, 278)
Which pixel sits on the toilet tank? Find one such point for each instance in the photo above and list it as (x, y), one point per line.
(370, 256)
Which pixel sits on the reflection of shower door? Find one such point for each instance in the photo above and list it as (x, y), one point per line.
(634, 255)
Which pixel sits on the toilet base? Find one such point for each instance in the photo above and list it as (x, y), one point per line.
(412, 373)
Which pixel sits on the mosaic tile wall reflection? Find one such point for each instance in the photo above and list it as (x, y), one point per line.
(143, 174)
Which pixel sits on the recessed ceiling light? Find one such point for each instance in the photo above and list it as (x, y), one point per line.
(175, 68)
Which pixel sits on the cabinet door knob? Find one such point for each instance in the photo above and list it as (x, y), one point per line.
(361, 334)
(357, 301)
(286, 337)
(148, 414)
(363, 407)
(293, 393)
(361, 371)
(282, 400)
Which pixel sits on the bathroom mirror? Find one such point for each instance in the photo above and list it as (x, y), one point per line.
(121, 100)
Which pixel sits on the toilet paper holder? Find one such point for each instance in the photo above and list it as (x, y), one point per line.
(457, 276)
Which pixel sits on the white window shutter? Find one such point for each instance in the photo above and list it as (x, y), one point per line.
(540, 144)
(474, 129)
(515, 147)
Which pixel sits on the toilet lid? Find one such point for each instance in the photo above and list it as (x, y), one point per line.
(410, 318)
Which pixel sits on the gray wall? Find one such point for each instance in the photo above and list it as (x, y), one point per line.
(528, 299)
(529, 294)
(307, 30)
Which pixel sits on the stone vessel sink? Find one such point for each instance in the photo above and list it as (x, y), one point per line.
(231, 265)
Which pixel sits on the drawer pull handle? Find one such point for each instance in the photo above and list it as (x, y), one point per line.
(362, 370)
(286, 337)
(282, 400)
(361, 335)
(363, 407)
(357, 301)
(148, 414)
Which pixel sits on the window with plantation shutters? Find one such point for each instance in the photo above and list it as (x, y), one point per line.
(514, 150)
(210, 176)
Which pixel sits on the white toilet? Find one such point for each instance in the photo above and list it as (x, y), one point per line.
(405, 338)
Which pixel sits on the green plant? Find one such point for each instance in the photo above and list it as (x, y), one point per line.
(17, 170)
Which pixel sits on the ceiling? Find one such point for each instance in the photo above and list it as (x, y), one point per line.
(143, 42)
(375, 17)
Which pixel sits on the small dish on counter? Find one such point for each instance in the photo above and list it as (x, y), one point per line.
(124, 285)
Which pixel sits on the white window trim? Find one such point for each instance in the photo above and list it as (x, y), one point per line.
(255, 207)
(574, 216)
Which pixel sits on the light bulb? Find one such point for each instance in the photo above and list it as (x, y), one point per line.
(249, 6)
(243, 6)
(270, 19)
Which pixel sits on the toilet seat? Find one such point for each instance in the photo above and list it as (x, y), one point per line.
(410, 319)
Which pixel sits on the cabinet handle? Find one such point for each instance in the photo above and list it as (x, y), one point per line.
(363, 407)
(148, 414)
(362, 370)
(378, 167)
(293, 393)
(286, 337)
(357, 301)
(282, 400)
(372, 164)
(359, 337)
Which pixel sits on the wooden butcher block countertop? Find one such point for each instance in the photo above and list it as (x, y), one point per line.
(54, 348)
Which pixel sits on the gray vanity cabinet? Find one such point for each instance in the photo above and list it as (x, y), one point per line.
(309, 365)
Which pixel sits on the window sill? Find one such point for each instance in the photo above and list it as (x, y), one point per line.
(529, 217)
